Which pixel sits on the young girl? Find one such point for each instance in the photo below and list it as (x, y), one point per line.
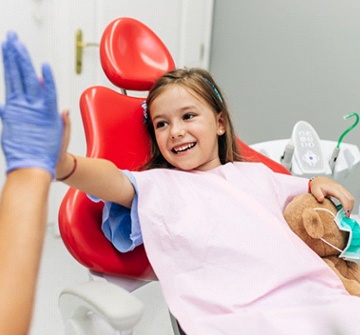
(212, 225)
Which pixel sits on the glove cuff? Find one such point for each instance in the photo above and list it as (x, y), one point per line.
(31, 164)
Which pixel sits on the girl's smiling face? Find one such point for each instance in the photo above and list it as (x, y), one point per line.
(186, 129)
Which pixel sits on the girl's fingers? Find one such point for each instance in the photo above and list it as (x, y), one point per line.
(323, 187)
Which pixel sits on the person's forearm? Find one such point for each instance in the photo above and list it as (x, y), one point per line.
(98, 177)
(23, 207)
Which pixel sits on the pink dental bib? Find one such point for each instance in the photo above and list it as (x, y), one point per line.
(226, 259)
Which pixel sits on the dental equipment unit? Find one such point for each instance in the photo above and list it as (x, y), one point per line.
(306, 155)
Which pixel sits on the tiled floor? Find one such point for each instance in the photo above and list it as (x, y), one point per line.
(60, 270)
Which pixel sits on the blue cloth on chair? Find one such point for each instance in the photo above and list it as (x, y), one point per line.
(120, 224)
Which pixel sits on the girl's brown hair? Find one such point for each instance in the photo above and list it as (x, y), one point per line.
(200, 82)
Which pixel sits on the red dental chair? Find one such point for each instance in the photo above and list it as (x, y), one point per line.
(132, 57)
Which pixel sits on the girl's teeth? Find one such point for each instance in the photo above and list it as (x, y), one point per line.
(183, 148)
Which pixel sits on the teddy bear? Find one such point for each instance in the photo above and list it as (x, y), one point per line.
(312, 225)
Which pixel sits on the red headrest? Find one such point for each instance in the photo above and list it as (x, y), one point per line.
(132, 55)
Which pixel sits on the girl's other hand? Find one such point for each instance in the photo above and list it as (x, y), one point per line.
(322, 187)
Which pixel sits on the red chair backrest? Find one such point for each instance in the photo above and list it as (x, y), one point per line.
(115, 130)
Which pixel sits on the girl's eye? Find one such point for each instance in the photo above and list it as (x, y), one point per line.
(160, 124)
(188, 116)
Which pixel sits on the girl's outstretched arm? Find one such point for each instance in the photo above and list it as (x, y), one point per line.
(97, 177)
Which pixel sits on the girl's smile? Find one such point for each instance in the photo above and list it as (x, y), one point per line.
(186, 129)
(183, 148)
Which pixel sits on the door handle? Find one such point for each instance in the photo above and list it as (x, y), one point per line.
(79, 47)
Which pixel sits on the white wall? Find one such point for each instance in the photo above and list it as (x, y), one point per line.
(282, 61)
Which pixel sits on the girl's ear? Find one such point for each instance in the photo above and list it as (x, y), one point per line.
(220, 124)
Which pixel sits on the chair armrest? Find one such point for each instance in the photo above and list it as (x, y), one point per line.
(113, 304)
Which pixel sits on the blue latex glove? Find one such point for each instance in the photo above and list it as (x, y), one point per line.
(32, 126)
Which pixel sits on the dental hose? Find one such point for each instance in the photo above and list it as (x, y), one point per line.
(336, 150)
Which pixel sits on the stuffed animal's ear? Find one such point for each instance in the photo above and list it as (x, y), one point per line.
(313, 224)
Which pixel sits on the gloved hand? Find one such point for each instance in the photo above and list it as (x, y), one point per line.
(32, 126)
